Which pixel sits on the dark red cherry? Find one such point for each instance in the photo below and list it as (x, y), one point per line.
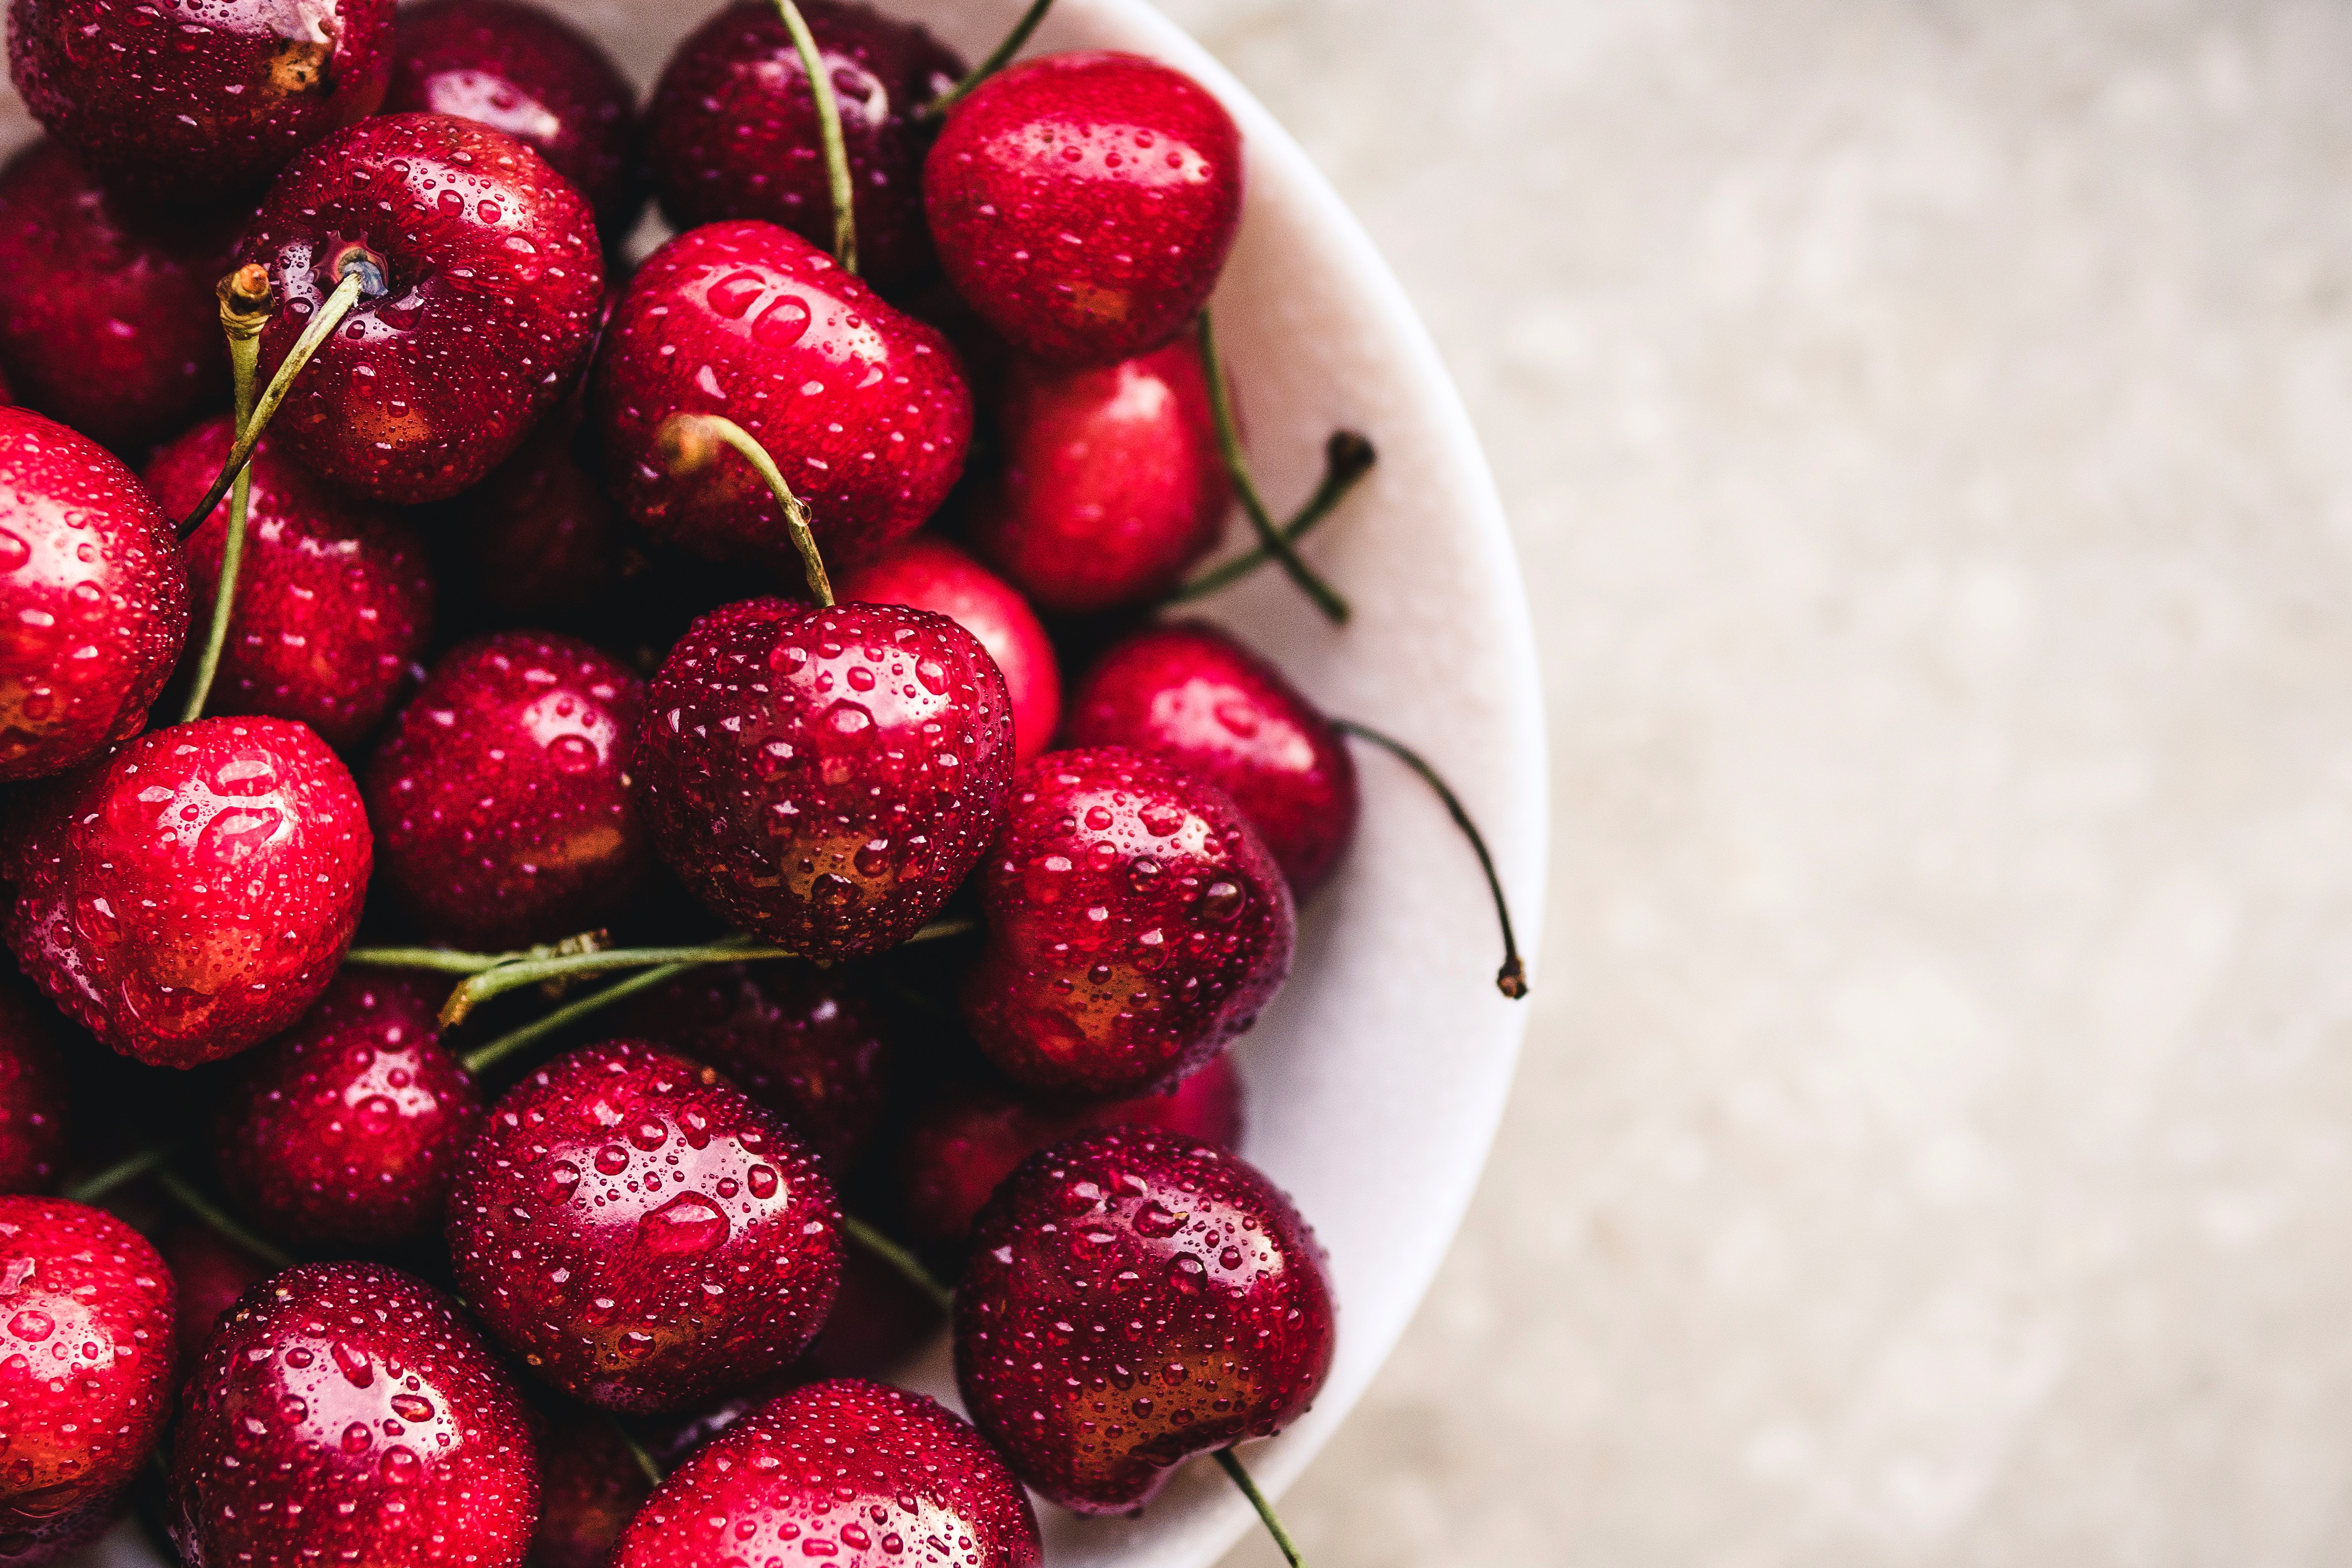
(880, 1320)
(1194, 695)
(732, 131)
(590, 1487)
(1136, 924)
(36, 1097)
(852, 1472)
(194, 104)
(824, 778)
(212, 1273)
(346, 1413)
(862, 408)
(344, 1131)
(1134, 1299)
(538, 542)
(334, 599)
(93, 598)
(640, 1232)
(85, 1370)
(929, 573)
(485, 279)
(1084, 204)
(959, 1150)
(500, 794)
(110, 323)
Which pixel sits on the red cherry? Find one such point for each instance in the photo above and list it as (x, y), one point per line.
(642, 1233)
(93, 598)
(880, 1318)
(1084, 204)
(590, 1487)
(213, 1273)
(85, 1369)
(194, 892)
(36, 1098)
(929, 573)
(500, 794)
(824, 778)
(538, 542)
(1195, 1314)
(483, 283)
(202, 103)
(345, 1413)
(334, 600)
(871, 1474)
(862, 408)
(1135, 925)
(345, 1130)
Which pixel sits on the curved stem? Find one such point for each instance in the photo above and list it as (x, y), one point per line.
(828, 132)
(1273, 1521)
(243, 312)
(482, 1058)
(646, 1464)
(1347, 458)
(997, 58)
(909, 1267)
(532, 969)
(1511, 979)
(183, 1192)
(689, 439)
(91, 1189)
(1229, 443)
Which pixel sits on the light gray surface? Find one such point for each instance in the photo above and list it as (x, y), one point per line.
(1928, 432)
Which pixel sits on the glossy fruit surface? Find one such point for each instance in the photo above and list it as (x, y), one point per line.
(192, 893)
(1194, 695)
(212, 1274)
(855, 1473)
(346, 1413)
(93, 598)
(1084, 204)
(1134, 1299)
(641, 1233)
(36, 1099)
(824, 778)
(590, 1487)
(334, 599)
(345, 1130)
(500, 796)
(491, 282)
(862, 409)
(1135, 925)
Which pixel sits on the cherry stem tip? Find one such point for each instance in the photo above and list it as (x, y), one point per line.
(1271, 539)
(1347, 458)
(997, 58)
(690, 442)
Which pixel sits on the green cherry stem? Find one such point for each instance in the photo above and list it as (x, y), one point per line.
(646, 1464)
(828, 131)
(183, 1192)
(1273, 1521)
(489, 1054)
(535, 969)
(1347, 458)
(243, 312)
(906, 1263)
(1270, 539)
(997, 58)
(444, 961)
(690, 442)
(91, 1188)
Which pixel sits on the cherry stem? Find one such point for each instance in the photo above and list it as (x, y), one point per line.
(1233, 1466)
(1347, 458)
(1511, 979)
(997, 58)
(183, 1192)
(1229, 443)
(828, 132)
(647, 1463)
(243, 312)
(514, 974)
(482, 1058)
(93, 1188)
(443, 961)
(689, 438)
(908, 1265)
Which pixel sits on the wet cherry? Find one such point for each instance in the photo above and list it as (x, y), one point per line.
(36, 1098)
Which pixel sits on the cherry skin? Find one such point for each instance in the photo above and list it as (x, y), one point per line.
(590, 1487)
(1084, 204)
(344, 1131)
(824, 778)
(500, 796)
(36, 1097)
(334, 600)
(732, 131)
(931, 574)
(93, 598)
(538, 542)
(1136, 924)
(862, 409)
(1196, 696)
(860, 1473)
(192, 893)
(641, 1232)
(85, 1369)
(195, 104)
(486, 284)
(346, 1413)
(212, 1274)
(1202, 1306)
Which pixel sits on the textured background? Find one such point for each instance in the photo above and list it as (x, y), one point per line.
(1929, 431)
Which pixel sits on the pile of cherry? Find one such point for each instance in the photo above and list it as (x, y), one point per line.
(664, 668)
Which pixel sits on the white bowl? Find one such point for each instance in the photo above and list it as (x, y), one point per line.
(1376, 1079)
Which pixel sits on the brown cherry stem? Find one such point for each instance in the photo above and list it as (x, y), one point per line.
(1347, 458)
(690, 442)
(828, 132)
(1270, 539)
(243, 312)
(904, 1264)
(1273, 1521)
(997, 58)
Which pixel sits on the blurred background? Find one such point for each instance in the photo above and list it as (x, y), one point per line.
(1928, 429)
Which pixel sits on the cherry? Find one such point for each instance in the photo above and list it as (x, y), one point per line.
(855, 1471)
(1112, 484)
(346, 1413)
(500, 794)
(36, 1098)
(345, 1130)
(929, 573)
(590, 1487)
(1194, 695)
(480, 283)
(880, 1320)
(824, 778)
(1134, 1299)
(93, 598)
(525, 71)
(334, 599)
(641, 1232)
(85, 1369)
(862, 408)
(538, 542)
(213, 1273)
(1136, 924)
(959, 1150)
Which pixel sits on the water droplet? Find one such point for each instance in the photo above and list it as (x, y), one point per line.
(414, 1408)
(649, 1135)
(764, 1181)
(571, 753)
(32, 1324)
(612, 1159)
(736, 293)
(686, 1225)
(1188, 1273)
(353, 1361)
(1222, 901)
(1154, 1218)
(1098, 818)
